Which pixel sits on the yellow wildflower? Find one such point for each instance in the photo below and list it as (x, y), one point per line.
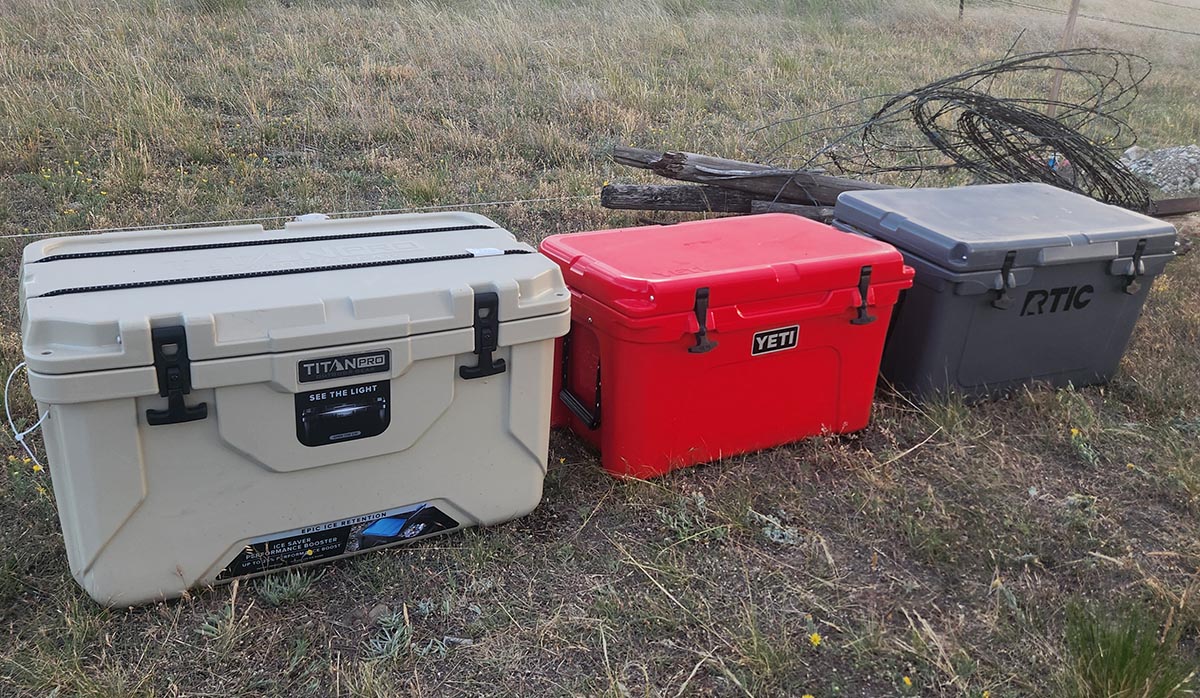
(41, 490)
(815, 639)
(807, 695)
(12, 459)
(1074, 432)
(907, 682)
(986, 694)
(103, 193)
(37, 467)
(26, 461)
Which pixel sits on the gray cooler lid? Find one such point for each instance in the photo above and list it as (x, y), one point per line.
(89, 302)
(974, 228)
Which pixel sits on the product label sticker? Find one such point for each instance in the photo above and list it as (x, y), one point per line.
(771, 341)
(334, 538)
(331, 367)
(343, 413)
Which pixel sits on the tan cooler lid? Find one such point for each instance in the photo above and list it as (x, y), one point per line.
(89, 302)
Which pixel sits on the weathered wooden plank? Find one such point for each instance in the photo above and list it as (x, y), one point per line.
(817, 213)
(674, 197)
(1175, 207)
(762, 181)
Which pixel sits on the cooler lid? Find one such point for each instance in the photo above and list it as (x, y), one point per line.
(89, 302)
(974, 228)
(656, 270)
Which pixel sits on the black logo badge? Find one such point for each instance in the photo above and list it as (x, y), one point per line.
(1057, 300)
(343, 366)
(771, 341)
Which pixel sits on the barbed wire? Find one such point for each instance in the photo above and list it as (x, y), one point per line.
(282, 217)
(1097, 18)
(957, 123)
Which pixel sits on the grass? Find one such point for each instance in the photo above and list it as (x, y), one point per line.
(1121, 655)
(944, 544)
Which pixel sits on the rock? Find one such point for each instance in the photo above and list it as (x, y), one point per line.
(1135, 152)
(377, 612)
(1176, 171)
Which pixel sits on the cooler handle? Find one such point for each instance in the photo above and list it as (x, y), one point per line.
(590, 418)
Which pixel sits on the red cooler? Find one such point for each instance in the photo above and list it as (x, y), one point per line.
(701, 340)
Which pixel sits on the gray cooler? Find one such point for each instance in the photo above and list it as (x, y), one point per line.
(1015, 284)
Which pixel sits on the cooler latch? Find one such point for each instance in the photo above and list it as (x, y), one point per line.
(174, 370)
(487, 333)
(703, 344)
(864, 285)
(1136, 268)
(1007, 280)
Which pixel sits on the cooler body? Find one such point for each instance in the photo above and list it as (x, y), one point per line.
(1015, 285)
(778, 345)
(290, 418)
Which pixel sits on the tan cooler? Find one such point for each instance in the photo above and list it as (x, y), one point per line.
(227, 401)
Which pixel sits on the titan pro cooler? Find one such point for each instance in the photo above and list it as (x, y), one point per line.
(1016, 283)
(227, 401)
(701, 340)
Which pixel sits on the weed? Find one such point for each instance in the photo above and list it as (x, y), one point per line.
(1120, 654)
(284, 588)
(392, 639)
(224, 628)
(689, 518)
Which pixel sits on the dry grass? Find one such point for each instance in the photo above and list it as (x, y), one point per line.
(942, 544)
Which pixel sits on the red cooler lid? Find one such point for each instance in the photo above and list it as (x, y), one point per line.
(655, 270)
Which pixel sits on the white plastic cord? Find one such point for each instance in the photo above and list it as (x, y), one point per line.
(19, 435)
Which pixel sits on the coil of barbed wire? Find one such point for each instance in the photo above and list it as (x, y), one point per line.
(987, 122)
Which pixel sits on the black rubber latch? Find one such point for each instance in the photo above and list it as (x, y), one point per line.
(590, 418)
(174, 370)
(703, 344)
(1003, 301)
(1136, 269)
(864, 285)
(487, 337)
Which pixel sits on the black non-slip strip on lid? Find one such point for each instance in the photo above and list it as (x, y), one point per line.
(255, 243)
(268, 272)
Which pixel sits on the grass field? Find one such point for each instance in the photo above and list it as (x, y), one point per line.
(1046, 544)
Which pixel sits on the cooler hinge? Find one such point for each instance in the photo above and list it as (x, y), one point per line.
(1007, 280)
(703, 344)
(174, 370)
(864, 285)
(1136, 268)
(487, 337)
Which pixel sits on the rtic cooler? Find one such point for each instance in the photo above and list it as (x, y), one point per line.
(701, 340)
(1016, 283)
(227, 401)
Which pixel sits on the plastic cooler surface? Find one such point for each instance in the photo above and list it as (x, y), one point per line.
(654, 270)
(973, 228)
(702, 340)
(1016, 284)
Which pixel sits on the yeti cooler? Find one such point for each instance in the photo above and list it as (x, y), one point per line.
(227, 401)
(701, 340)
(1016, 283)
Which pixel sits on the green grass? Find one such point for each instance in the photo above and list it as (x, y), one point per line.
(943, 544)
(1121, 655)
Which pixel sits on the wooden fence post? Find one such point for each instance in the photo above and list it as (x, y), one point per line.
(1064, 43)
